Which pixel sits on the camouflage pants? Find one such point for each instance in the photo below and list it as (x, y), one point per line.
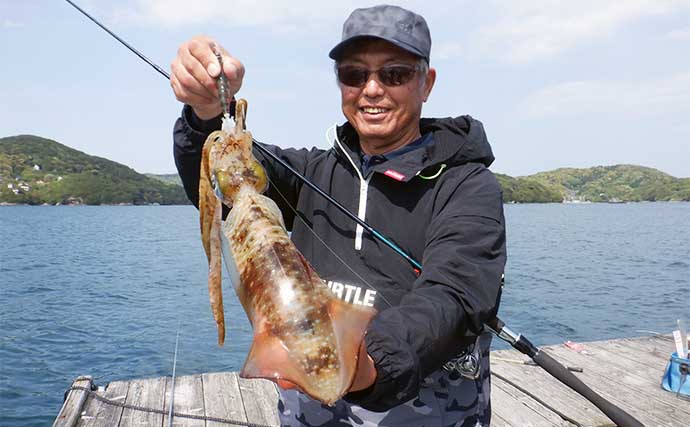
(445, 399)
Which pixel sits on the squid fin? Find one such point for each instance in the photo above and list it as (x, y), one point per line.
(350, 324)
(268, 358)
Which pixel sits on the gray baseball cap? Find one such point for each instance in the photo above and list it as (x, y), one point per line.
(394, 24)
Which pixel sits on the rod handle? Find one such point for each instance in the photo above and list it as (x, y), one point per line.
(616, 414)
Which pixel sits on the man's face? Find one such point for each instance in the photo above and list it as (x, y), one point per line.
(385, 117)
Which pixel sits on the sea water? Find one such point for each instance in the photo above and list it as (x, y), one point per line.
(101, 291)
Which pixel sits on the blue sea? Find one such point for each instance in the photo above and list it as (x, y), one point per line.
(102, 291)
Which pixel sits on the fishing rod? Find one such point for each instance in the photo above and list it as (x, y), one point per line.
(495, 325)
(172, 381)
(267, 152)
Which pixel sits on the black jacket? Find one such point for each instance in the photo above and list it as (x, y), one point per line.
(439, 203)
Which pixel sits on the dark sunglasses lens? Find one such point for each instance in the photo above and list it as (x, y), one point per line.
(353, 76)
(396, 75)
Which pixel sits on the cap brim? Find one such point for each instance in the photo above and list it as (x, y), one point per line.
(337, 52)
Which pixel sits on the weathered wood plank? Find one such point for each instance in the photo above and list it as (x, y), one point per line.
(260, 407)
(89, 411)
(100, 414)
(626, 371)
(188, 399)
(72, 407)
(649, 374)
(498, 421)
(651, 351)
(546, 388)
(507, 402)
(269, 391)
(147, 393)
(222, 398)
(624, 388)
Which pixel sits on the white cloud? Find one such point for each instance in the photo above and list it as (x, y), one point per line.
(221, 12)
(277, 14)
(446, 50)
(10, 24)
(679, 34)
(663, 96)
(530, 30)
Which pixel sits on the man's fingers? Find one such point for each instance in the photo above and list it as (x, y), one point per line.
(201, 48)
(191, 85)
(184, 95)
(196, 70)
(232, 67)
(213, 69)
(194, 73)
(234, 70)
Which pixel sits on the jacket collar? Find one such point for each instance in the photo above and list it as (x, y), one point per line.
(456, 141)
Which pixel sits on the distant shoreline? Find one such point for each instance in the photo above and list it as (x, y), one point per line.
(35, 170)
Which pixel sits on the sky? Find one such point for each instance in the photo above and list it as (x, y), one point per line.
(556, 83)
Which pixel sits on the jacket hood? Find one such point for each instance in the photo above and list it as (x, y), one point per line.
(457, 141)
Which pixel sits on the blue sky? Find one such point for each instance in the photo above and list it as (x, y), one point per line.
(556, 83)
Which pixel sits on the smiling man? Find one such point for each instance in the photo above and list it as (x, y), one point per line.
(424, 183)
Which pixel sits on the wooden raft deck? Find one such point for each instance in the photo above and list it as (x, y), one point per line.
(627, 372)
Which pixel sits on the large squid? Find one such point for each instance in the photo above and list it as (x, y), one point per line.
(304, 336)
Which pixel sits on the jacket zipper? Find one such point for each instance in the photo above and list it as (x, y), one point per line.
(363, 190)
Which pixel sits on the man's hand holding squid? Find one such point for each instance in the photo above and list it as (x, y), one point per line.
(194, 73)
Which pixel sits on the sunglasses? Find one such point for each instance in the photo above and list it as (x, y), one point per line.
(389, 75)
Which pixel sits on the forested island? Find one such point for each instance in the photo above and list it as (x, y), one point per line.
(36, 171)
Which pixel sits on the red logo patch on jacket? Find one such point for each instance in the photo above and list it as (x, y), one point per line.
(395, 175)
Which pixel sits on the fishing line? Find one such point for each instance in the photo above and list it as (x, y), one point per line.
(317, 237)
(264, 150)
(136, 52)
(172, 386)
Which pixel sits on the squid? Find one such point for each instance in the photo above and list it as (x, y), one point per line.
(304, 336)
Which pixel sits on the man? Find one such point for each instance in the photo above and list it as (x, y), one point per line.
(424, 183)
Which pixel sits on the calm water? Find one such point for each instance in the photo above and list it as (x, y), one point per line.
(101, 290)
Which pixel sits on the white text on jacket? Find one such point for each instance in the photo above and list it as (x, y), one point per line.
(352, 294)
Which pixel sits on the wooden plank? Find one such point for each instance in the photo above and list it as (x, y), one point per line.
(146, 393)
(498, 421)
(648, 374)
(100, 414)
(268, 391)
(622, 387)
(542, 385)
(188, 399)
(260, 406)
(636, 389)
(89, 411)
(222, 398)
(507, 402)
(622, 354)
(655, 349)
(626, 371)
(72, 407)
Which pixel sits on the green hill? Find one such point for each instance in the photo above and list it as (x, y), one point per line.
(170, 178)
(527, 190)
(619, 183)
(36, 170)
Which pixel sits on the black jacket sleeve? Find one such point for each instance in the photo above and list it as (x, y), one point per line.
(457, 291)
(189, 135)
